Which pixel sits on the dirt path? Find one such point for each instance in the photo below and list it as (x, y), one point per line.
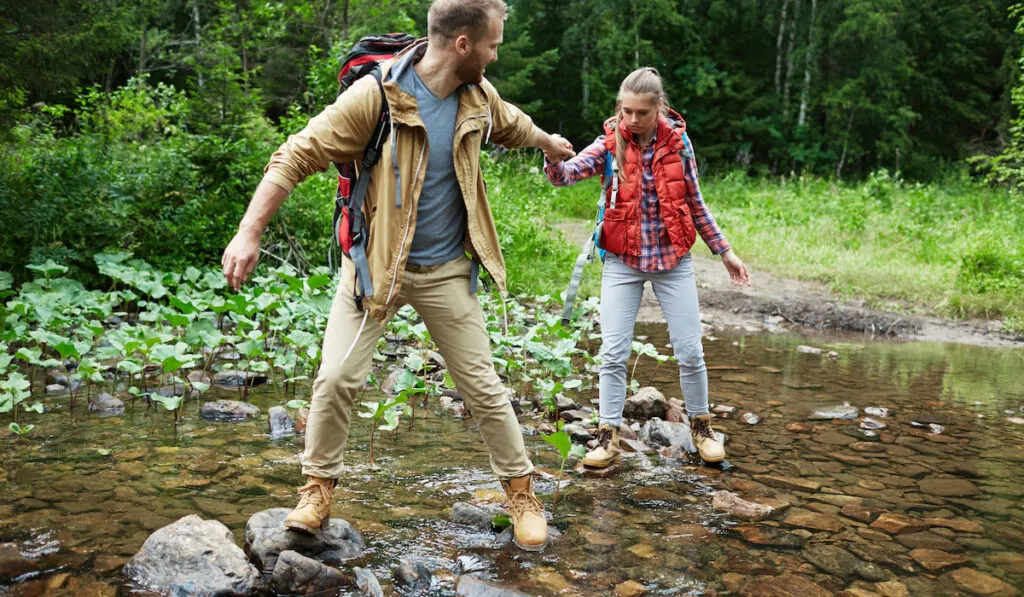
(774, 303)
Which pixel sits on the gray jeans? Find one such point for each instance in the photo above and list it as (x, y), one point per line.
(676, 289)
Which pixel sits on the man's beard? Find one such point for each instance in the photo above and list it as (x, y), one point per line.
(470, 72)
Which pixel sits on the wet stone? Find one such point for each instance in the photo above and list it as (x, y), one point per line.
(663, 433)
(192, 552)
(927, 540)
(266, 537)
(979, 583)
(812, 520)
(630, 588)
(733, 504)
(280, 423)
(839, 562)
(413, 576)
(790, 483)
(295, 574)
(12, 563)
(786, 585)
(834, 438)
(470, 586)
(896, 524)
(861, 513)
(948, 487)
(771, 537)
(935, 559)
(238, 379)
(228, 410)
(472, 516)
(844, 412)
(104, 404)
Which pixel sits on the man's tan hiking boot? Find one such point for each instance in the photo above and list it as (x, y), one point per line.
(314, 510)
(527, 514)
(710, 449)
(607, 451)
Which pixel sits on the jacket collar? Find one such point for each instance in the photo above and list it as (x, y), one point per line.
(668, 131)
(404, 109)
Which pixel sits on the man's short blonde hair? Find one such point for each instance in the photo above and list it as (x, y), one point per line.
(448, 18)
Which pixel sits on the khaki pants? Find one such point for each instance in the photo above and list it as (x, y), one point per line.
(441, 296)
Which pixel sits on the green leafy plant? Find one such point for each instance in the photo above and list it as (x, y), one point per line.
(563, 443)
(389, 411)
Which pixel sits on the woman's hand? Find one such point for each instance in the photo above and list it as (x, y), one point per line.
(737, 270)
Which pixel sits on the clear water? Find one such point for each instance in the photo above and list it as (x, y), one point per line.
(82, 494)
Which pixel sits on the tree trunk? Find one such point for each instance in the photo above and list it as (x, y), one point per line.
(808, 61)
(198, 25)
(142, 53)
(586, 85)
(789, 62)
(344, 20)
(846, 143)
(636, 37)
(778, 47)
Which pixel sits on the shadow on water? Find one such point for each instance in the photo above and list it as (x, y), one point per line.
(83, 493)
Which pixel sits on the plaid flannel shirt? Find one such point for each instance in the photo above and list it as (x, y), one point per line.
(656, 251)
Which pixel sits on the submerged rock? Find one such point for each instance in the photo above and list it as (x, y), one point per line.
(750, 418)
(295, 574)
(192, 556)
(228, 410)
(104, 404)
(471, 564)
(470, 586)
(846, 411)
(266, 538)
(237, 379)
(876, 411)
(739, 507)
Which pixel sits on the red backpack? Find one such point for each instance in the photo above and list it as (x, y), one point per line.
(349, 228)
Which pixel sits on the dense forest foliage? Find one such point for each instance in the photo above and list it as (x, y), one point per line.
(145, 125)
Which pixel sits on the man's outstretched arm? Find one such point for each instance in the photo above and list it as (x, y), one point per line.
(243, 252)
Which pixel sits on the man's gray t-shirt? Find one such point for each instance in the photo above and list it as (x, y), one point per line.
(441, 213)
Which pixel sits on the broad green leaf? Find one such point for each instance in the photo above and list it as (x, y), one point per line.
(561, 441)
(50, 268)
(298, 403)
(36, 407)
(6, 280)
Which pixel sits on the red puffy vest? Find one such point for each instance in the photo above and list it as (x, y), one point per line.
(620, 233)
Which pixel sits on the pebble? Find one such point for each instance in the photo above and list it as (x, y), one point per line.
(869, 423)
(877, 411)
(751, 418)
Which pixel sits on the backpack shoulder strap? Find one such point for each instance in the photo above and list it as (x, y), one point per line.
(371, 155)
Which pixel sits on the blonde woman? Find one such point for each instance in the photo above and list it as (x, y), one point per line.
(653, 212)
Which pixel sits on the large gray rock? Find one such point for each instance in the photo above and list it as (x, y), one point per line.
(280, 423)
(228, 410)
(104, 404)
(193, 557)
(662, 433)
(266, 538)
(470, 586)
(647, 403)
(295, 574)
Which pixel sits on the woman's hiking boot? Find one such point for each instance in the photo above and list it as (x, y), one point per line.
(710, 449)
(314, 510)
(607, 451)
(527, 514)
